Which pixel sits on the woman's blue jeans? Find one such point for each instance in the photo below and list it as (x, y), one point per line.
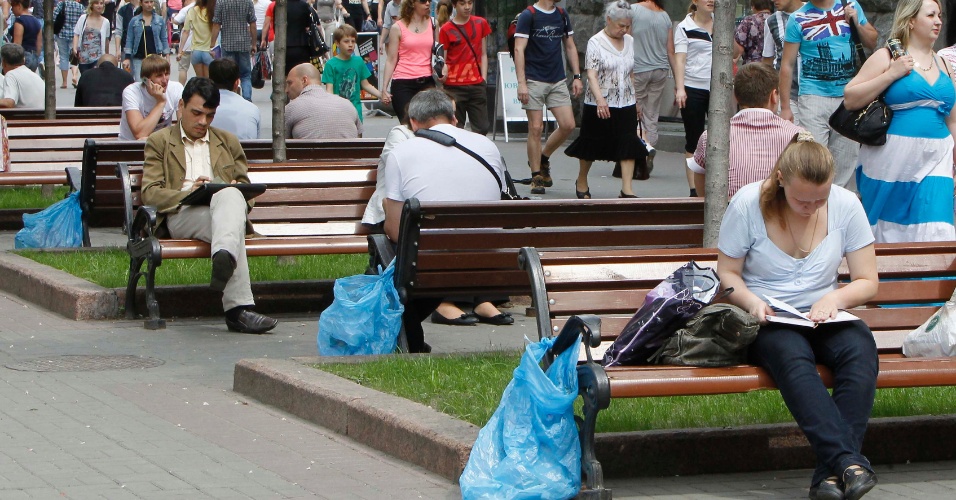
(835, 424)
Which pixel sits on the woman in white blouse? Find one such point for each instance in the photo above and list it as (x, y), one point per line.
(609, 116)
(785, 238)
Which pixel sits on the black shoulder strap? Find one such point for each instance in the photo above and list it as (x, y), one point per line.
(449, 141)
(854, 35)
(464, 37)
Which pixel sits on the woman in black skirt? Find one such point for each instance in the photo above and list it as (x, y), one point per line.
(609, 122)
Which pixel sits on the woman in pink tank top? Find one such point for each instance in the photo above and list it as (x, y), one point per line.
(408, 66)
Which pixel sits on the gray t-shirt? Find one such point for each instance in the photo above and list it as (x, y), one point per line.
(650, 40)
(769, 271)
(391, 14)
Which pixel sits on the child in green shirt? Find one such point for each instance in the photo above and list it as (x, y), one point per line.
(346, 74)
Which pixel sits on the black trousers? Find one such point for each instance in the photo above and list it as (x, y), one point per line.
(473, 101)
(404, 90)
(694, 114)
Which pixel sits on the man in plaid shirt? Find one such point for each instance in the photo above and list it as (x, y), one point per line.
(64, 39)
(236, 19)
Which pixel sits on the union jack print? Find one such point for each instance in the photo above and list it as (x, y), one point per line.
(816, 25)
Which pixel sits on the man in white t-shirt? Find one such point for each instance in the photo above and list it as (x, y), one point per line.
(22, 88)
(424, 169)
(149, 105)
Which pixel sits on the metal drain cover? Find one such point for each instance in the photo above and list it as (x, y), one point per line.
(84, 363)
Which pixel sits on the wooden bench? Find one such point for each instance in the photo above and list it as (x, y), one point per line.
(53, 145)
(76, 113)
(308, 209)
(594, 294)
(447, 249)
(12, 218)
(102, 194)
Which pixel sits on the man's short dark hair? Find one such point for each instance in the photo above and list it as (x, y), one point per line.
(204, 88)
(429, 104)
(753, 84)
(12, 54)
(224, 73)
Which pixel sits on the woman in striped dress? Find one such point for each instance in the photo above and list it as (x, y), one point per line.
(907, 184)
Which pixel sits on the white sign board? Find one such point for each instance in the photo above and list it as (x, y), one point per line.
(508, 93)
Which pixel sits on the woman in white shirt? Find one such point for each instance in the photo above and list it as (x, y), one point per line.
(785, 237)
(693, 46)
(609, 115)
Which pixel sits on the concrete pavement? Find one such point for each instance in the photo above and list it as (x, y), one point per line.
(173, 428)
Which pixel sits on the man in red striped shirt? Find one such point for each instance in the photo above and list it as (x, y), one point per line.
(757, 134)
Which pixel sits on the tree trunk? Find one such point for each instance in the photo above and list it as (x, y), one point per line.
(49, 64)
(278, 82)
(718, 120)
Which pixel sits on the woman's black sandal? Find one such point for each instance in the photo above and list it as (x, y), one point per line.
(857, 481)
(828, 489)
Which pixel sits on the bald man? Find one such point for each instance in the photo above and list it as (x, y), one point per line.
(102, 85)
(313, 113)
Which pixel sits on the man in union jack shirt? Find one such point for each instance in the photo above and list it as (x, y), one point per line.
(820, 32)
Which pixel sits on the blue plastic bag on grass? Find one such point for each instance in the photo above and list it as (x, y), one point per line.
(365, 317)
(57, 226)
(530, 447)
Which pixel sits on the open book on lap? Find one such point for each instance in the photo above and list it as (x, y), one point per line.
(791, 316)
(203, 194)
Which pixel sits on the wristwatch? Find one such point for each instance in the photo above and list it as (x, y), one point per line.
(576, 76)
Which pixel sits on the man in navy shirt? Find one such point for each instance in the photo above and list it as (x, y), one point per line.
(541, 30)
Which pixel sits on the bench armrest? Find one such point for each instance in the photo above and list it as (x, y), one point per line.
(380, 252)
(74, 178)
(144, 224)
(587, 326)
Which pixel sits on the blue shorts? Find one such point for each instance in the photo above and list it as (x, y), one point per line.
(202, 57)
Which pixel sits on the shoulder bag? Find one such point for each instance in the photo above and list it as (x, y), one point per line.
(867, 126)
(317, 45)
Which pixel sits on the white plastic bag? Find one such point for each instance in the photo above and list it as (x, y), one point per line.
(934, 338)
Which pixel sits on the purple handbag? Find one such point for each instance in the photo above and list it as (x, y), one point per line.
(666, 308)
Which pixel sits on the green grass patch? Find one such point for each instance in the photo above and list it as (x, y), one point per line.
(110, 268)
(469, 387)
(29, 197)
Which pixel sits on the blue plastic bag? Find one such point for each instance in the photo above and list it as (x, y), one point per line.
(530, 447)
(59, 225)
(365, 317)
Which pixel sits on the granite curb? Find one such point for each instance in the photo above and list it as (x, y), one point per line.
(56, 290)
(425, 437)
(404, 429)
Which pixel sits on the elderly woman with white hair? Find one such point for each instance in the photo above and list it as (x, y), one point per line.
(609, 116)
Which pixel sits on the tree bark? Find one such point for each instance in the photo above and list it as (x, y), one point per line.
(49, 64)
(278, 81)
(718, 120)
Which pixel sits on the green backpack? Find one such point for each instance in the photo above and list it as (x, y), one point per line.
(718, 335)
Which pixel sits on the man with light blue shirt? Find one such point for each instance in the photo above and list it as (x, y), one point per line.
(820, 32)
(236, 114)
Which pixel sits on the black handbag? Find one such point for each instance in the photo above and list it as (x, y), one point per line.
(317, 45)
(867, 126)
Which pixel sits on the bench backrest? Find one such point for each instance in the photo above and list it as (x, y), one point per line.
(102, 196)
(66, 127)
(914, 279)
(74, 113)
(302, 199)
(445, 246)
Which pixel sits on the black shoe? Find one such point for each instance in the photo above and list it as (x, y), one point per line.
(546, 179)
(498, 319)
(251, 322)
(223, 266)
(828, 489)
(857, 481)
(465, 319)
(622, 195)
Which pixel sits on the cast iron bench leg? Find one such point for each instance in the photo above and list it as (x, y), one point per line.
(154, 322)
(594, 388)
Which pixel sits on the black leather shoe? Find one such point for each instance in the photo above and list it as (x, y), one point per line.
(828, 489)
(857, 481)
(251, 322)
(498, 319)
(222, 268)
(466, 319)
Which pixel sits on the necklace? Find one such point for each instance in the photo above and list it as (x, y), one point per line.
(812, 235)
(920, 67)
